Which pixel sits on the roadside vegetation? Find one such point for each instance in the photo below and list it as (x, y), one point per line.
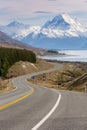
(16, 62)
(10, 56)
(72, 77)
(25, 67)
(6, 85)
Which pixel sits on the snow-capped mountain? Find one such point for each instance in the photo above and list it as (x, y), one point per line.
(16, 24)
(64, 26)
(62, 32)
(15, 29)
(7, 41)
(57, 22)
(19, 30)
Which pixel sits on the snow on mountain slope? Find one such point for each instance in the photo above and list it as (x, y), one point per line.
(7, 41)
(61, 32)
(14, 29)
(24, 32)
(18, 30)
(60, 26)
(16, 24)
(57, 22)
(63, 25)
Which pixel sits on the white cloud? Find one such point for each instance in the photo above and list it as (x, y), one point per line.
(18, 9)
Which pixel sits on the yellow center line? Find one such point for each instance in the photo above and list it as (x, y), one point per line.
(17, 100)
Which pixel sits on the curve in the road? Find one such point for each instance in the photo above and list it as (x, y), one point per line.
(17, 100)
(21, 91)
(48, 115)
(71, 112)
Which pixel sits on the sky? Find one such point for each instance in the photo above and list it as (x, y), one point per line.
(37, 12)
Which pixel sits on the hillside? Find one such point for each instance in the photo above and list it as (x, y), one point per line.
(73, 77)
(9, 56)
(22, 68)
(7, 41)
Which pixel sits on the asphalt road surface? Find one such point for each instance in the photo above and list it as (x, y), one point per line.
(31, 107)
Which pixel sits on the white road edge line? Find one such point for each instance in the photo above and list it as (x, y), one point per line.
(48, 115)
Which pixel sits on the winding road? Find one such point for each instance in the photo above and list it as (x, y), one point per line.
(31, 107)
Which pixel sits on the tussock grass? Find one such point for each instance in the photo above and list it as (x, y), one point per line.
(72, 77)
(5, 86)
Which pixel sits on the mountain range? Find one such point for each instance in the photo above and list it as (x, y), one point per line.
(62, 32)
(8, 42)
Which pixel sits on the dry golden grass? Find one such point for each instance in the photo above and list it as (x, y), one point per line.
(5, 86)
(70, 77)
(22, 68)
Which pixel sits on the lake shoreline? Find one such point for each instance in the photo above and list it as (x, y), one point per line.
(68, 55)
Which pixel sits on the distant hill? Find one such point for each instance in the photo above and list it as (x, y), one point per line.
(9, 56)
(7, 41)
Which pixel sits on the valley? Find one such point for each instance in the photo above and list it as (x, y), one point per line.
(43, 65)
